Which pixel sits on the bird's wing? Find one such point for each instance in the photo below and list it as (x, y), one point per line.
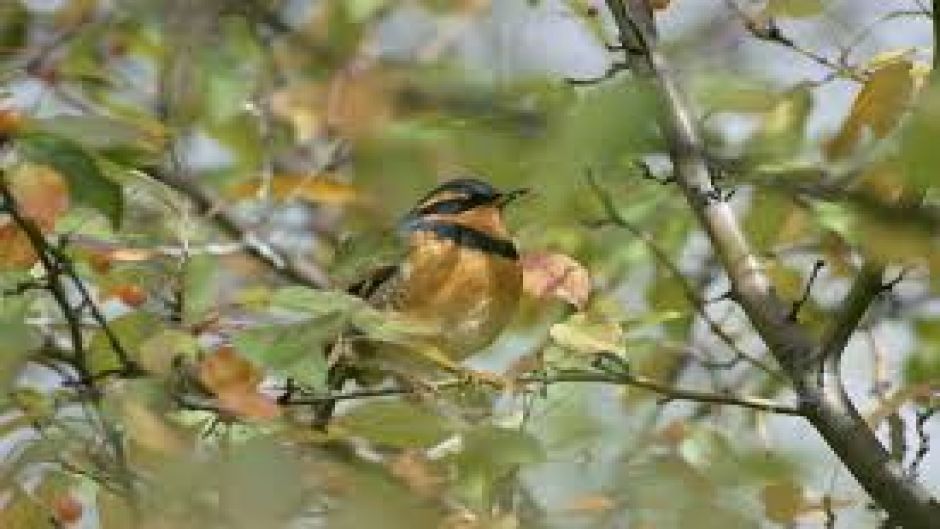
(363, 262)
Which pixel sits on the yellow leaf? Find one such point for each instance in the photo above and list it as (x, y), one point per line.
(795, 8)
(783, 501)
(582, 335)
(878, 106)
(148, 430)
(310, 188)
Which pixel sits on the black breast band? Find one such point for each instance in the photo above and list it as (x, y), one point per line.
(467, 237)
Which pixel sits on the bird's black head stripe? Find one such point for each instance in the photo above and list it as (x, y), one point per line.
(467, 237)
(452, 206)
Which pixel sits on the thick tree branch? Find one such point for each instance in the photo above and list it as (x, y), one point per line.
(299, 271)
(823, 399)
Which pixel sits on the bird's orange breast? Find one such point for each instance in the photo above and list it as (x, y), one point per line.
(470, 293)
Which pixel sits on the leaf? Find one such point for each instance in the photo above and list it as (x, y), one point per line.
(489, 455)
(295, 351)
(234, 381)
(42, 196)
(878, 106)
(87, 184)
(919, 154)
(309, 188)
(22, 511)
(582, 335)
(200, 287)
(704, 448)
(418, 473)
(555, 275)
(783, 501)
(397, 424)
(795, 8)
(131, 331)
(150, 431)
(159, 352)
(591, 504)
(40, 193)
(16, 251)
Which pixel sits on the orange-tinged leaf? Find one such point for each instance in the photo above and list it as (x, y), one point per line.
(234, 381)
(40, 192)
(128, 293)
(417, 472)
(10, 121)
(248, 403)
(16, 252)
(555, 275)
(66, 509)
(310, 188)
(224, 369)
(878, 106)
(591, 503)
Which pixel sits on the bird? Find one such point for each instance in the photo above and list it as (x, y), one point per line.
(459, 272)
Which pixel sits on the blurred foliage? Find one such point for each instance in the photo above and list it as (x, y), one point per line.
(320, 123)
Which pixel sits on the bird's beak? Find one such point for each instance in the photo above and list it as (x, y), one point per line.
(509, 196)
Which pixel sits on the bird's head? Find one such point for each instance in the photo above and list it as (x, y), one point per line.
(466, 202)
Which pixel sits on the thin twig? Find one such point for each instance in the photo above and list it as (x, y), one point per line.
(299, 271)
(571, 376)
(698, 303)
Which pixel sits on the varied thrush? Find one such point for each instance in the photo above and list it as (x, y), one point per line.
(460, 273)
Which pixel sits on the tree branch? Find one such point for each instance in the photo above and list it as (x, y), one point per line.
(670, 393)
(823, 400)
(690, 294)
(292, 269)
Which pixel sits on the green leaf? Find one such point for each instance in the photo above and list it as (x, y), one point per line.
(314, 302)
(131, 331)
(158, 352)
(923, 365)
(489, 455)
(200, 287)
(87, 184)
(295, 351)
(796, 8)
(395, 423)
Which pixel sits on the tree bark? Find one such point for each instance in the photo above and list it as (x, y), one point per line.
(812, 367)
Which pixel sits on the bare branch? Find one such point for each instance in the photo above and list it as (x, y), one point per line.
(292, 269)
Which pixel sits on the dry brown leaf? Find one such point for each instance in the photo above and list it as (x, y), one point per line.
(878, 106)
(555, 275)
